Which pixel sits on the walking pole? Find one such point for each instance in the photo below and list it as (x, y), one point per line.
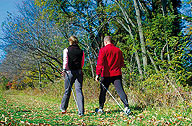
(72, 90)
(111, 96)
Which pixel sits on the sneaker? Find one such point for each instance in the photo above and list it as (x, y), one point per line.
(80, 114)
(99, 111)
(62, 110)
(127, 111)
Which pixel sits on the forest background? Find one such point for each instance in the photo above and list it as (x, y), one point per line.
(154, 35)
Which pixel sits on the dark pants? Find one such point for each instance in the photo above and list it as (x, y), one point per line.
(77, 77)
(117, 81)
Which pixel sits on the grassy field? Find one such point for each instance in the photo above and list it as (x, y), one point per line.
(21, 108)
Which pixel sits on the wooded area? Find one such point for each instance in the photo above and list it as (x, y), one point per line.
(154, 35)
(149, 32)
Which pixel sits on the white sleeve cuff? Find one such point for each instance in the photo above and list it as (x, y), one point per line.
(65, 59)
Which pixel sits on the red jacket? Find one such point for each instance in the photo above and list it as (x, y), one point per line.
(110, 61)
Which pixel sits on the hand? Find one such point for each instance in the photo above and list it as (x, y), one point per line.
(63, 73)
(97, 78)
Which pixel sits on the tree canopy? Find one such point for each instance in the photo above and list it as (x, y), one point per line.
(149, 32)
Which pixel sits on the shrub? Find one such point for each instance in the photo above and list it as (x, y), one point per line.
(160, 90)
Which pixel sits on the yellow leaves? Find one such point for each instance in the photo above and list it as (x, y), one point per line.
(147, 40)
(37, 3)
(43, 2)
(24, 31)
(141, 116)
(190, 104)
(40, 2)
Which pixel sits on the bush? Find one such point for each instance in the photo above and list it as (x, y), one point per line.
(160, 90)
(3, 83)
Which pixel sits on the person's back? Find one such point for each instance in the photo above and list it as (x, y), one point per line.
(73, 61)
(109, 64)
(112, 60)
(75, 55)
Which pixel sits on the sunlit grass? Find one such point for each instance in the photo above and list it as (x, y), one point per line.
(42, 107)
(23, 109)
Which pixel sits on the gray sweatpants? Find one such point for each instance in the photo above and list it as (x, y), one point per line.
(77, 77)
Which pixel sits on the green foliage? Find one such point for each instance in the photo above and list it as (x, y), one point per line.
(3, 82)
(160, 90)
(91, 21)
(161, 96)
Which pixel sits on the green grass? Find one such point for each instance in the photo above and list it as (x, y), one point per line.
(20, 108)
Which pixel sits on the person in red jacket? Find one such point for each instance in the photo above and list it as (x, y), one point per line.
(109, 64)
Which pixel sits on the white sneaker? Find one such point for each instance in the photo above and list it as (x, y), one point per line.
(80, 114)
(62, 110)
(99, 111)
(127, 111)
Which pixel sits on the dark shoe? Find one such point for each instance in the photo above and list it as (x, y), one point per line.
(99, 111)
(80, 114)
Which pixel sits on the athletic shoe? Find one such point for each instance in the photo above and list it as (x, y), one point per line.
(62, 110)
(127, 111)
(99, 111)
(80, 114)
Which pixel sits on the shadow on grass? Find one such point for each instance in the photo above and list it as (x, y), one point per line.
(24, 111)
(134, 111)
(136, 108)
(90, 113)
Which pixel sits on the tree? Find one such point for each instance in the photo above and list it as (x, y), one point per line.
(88, 18)
(38, 37)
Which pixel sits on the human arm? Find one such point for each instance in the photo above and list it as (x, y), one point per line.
(65, 61)
(82, 61)
(99, 66)
(122, 64)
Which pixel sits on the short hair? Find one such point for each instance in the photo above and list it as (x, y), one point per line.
(108, 38)
(73, 40)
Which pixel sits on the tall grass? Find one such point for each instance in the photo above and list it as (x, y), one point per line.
(159, 100)
(159, 90)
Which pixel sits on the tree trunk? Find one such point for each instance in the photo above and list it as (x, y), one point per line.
(163, 5)
(141, 36)
(152, 61)
(39, 74)
(136, 53)
(92, 68)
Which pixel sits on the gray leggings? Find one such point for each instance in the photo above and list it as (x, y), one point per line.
(117, 81)
(77, 77)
